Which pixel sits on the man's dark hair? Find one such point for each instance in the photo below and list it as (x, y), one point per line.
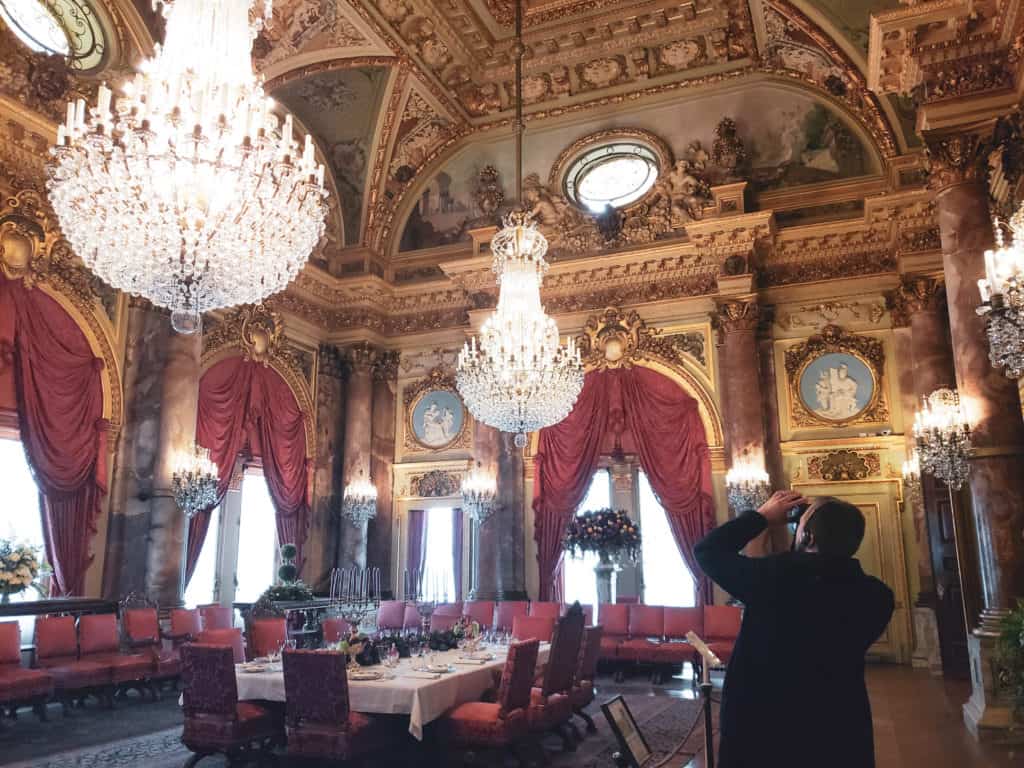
(837, 527)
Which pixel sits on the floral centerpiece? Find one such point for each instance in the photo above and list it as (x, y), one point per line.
(609, 532)
(1010, 651)
(19, 567)
(469, 631)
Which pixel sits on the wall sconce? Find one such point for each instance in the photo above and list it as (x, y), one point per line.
(943, 438)
(194, 481)
(912, 479)
(1002, 298)
(479, 491)
(747, 484)
(359, 501)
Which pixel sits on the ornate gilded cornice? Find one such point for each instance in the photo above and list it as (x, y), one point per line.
(916, 293)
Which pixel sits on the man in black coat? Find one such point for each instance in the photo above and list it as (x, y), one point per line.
(794, 693)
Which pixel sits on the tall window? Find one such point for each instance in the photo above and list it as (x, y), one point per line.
(439, 556)
(201, 588)
(257, 539)
(580, 581)
(667, 580)
(20, 519)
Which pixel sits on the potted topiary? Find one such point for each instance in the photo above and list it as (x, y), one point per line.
(1010, 653)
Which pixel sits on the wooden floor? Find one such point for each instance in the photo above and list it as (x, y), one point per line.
(919, 722)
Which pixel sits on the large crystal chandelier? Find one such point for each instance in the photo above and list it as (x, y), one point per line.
(359, 501)
(943, 437)
(1002, 298)
(186, 189)
(479, 491)
(747, 485)
(194, 481)
(518, 377)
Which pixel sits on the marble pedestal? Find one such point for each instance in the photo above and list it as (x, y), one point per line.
(988, 714)
(927, 653)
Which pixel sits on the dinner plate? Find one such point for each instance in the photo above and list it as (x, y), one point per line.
(365, 675)
(439, 669)
(252, 668)
(479, 656)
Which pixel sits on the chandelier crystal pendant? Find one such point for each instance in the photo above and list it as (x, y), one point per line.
(747, 486)
(187, 190)
(359, 501)
(516, 376)
(1002, 298)
(194, 482)
(479, 491)
(943, 438)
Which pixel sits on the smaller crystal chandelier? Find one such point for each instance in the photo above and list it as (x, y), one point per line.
(943, 437)
(912, 479)
(479, 490)
(747, 484)
(194, 482)
(359, 501)
(1002, 298)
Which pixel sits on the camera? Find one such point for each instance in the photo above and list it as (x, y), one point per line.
(794, 515)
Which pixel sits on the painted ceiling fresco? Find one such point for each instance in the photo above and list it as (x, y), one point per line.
(790, 139)
(341, 109)
(851, 18)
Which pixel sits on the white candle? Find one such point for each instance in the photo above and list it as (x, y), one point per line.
(103, 101)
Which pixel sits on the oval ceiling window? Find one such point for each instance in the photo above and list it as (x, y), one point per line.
(69, 28)
(611, 175)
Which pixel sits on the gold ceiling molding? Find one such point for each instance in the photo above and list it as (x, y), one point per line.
(817, 316)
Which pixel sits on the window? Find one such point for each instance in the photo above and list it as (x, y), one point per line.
(201, 589)
(667, 580)
(438, 557)
(580, 581)
(257, 540)
(21, 520)
(68, 28)
(613, 175)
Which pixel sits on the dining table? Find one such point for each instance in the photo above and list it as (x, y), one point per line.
(405, 689)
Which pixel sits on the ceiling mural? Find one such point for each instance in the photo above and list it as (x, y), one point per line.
(790, 139)
(850, 17)
(341, 108)
(300, 26)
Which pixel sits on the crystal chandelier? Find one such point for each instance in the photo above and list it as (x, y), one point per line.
(747, 485)
(912, 479)
(194, 482)
(943, 437)
(186, 190)
(1002, 298)
(359, 501)
(518, 377)
(479, 490)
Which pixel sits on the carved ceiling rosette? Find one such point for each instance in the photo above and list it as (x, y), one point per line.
(613, 339)
(836, 379)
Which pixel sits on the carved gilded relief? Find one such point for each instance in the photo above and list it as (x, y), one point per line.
(844, 465)
(616, 339)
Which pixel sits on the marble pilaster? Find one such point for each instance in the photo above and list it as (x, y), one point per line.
(179, 403)
(382, 460)
(511, 521)
(486, 548)
(357, 445)
(321, 557)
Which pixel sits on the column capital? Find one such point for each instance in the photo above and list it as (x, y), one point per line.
(385, 367)
(959, 156)
(330, 362)
(916, 293)
(735, 315)
(361, 357)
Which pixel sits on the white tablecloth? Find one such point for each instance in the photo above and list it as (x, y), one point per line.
(422, 700)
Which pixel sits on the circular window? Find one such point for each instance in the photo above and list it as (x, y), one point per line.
(68, 28)
(611, 175)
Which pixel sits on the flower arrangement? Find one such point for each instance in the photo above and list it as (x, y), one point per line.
(19, 567)
(1010, 650)
(290, 588)
(605, 531)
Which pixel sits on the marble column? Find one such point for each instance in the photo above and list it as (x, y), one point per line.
(147, 334)
(358, 445)
(382, 460)
(736, 321)
(993, 408)
(922, 329)
(321, 550)
(487, 551)
(510, 524)
(179, 399)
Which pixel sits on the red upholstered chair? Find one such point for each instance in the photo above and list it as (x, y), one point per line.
(390, 615)
(614, 617)
(550, 706)
(721, 628)
(317, 715)
(646, 629)
(216, 722)
(443, 622)
(335, 629)
(678, 621)
(537, 627)
(449, 609)
(480, 611)
(143, 636)
(507, 611)
(186, 624)
(232, 638)
(583, 688)
(267, 635)
(57, 653)
(546, 610)
(588, 613)
(501, 725)
(98, 641)
(17, 684)
(411, 619)
(217, 616)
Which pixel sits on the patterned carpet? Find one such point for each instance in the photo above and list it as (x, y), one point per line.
(671, 724)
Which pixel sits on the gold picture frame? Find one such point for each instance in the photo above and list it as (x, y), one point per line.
(836, 379)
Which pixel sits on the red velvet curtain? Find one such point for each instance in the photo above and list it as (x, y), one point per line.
(246, 407)
(665, 426)
(59, 395)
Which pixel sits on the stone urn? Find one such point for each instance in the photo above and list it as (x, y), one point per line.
(605, 572)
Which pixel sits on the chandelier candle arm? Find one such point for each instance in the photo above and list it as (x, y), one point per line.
(186, 189)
